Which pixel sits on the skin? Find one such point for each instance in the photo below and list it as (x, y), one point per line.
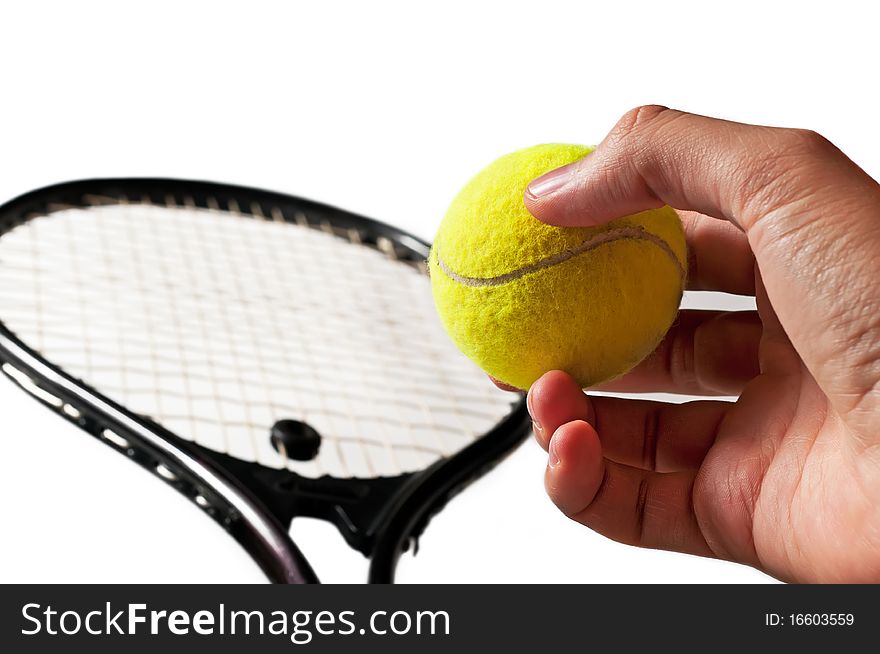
(787, 478)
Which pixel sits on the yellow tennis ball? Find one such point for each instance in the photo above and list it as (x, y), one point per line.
(520, 297)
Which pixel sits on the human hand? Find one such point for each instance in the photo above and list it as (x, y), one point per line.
(786, 479)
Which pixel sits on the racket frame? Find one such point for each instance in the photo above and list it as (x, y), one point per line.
(253, 503)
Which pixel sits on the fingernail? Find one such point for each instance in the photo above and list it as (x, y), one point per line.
(549, 182)
(553, 460)
(536, 424)
(538, 429)
(503, 386)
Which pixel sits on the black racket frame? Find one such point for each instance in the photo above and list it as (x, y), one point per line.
(255, 504)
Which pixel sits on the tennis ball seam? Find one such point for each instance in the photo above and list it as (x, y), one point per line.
(602, 238)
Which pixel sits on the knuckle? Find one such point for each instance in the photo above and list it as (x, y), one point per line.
(640, 117)
(774, 175)
(642, 510)
(807, 142)
(679, 362)
(636, 122)
(651, 440)
(640, 140)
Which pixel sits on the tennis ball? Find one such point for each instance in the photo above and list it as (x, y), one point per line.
(520, 297)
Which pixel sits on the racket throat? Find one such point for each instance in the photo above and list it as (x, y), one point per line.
(358, 507)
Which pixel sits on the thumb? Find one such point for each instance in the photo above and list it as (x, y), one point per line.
(653, 156)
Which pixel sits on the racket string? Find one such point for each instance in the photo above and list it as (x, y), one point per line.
(300, 410)
(218, 322)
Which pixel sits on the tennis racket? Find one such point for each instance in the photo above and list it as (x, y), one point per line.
(267, 356)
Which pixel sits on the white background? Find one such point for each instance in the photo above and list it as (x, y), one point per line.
(385, 109)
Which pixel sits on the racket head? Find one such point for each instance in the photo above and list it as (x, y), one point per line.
(254, 502)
